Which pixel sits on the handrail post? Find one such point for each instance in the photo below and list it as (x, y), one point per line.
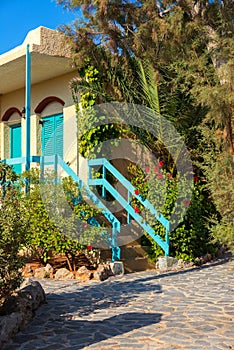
(56, 168)
(42, 166)
(104, 178)
(128, 215)
(115, 247)
(167, 239)
(90, 175)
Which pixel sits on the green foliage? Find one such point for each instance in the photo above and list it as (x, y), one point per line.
(223, 233)
(218, 167)
(12, 232)
(190, 237)
(91, 132)
(45, 238)
(190, 48)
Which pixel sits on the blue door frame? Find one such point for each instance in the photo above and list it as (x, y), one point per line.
(15, 145)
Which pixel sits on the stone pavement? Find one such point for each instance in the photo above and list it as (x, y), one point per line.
(190, 309)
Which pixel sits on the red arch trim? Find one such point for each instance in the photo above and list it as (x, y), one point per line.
(46, 101)
(9, 112)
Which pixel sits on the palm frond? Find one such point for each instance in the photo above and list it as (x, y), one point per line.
(148, 85)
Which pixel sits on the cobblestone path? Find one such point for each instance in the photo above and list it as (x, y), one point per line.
(192, 309)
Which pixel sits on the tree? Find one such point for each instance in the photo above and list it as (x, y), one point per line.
(190, 47)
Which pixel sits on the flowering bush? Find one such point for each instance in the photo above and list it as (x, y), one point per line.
(189, 217)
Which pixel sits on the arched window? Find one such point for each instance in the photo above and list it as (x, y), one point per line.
(46, 102)
(13, 135)
(13, 110)
(51, 112)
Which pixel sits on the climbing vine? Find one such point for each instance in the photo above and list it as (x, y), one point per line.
(92, 129)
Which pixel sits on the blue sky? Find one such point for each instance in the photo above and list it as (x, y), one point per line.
(18, 17)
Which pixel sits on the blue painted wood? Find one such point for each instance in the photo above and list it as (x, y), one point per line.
(164, 244)
(76, 200)
(15, 146)
(28, 108)
(93, 222)
(52, 135)
(12, 161)
(116, 253)
(35, 159)
(131, 189)
(129, 201)
(95, 200)
(103, 187)
(138, 218)
(57, 160)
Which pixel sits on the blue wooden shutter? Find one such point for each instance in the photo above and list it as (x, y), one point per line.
(52, 135)
(59, 135)
(15, 145)
(47, 137)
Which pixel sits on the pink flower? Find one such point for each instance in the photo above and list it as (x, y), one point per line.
(186, 202)
(160, 163)
(89, 247)
(147, 169)
(137, 210)
(159, 175)
(136, 192)
(156, 169)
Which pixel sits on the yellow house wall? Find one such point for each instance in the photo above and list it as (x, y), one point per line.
(58, 87)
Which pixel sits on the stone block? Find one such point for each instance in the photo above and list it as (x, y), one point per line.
(165, 263)
(49, 269)
(63, 274)
(41, 273)
(19, 309)
(33, 292)
(27, 271)
(103, 272)
(83, 274)
(117, 268)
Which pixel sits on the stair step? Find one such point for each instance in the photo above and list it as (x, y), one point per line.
(133, 254)
(137, 265)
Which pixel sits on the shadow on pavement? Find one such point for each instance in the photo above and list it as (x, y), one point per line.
(87, 314)
(84, 333)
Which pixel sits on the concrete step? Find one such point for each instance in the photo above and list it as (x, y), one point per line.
(133, 256)
(137, 265)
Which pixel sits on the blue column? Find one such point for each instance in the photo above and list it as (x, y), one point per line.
(28, 105)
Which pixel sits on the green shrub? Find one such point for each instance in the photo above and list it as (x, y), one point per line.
(223, 233)
(191, 238)
(45, 238)
(12, 232)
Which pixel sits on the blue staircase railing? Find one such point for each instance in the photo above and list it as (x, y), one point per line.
(95, 200)
(106, 186)
(56, 161)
